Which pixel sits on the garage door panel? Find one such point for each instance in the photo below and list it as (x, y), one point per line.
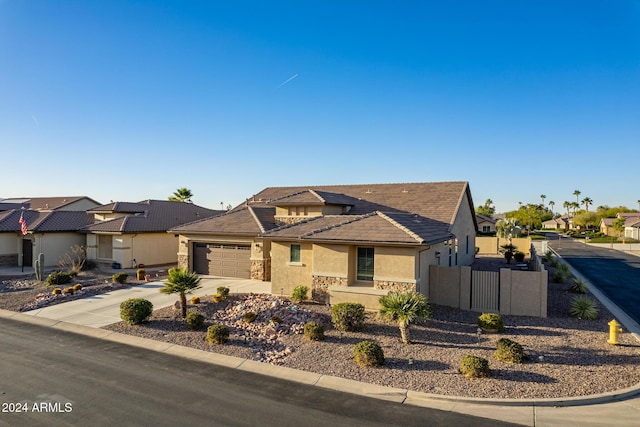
(223, 260)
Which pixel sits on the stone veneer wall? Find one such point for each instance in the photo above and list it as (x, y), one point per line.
(9, 260)
(320, 287)
(286, 220)
(261, 269)
(183, 261)
(394, 286)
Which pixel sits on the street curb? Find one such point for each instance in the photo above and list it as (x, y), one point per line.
(398, 395)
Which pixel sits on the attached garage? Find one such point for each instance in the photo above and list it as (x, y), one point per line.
(226, 260)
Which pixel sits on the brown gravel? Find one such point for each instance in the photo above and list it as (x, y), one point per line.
(576, 359)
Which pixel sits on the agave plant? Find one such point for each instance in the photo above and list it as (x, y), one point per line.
(584, 307)
(404, 308)
(578, 286)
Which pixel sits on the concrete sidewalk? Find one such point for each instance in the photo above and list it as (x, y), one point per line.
(104, 309)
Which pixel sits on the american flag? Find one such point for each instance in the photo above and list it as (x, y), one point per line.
(23, 225)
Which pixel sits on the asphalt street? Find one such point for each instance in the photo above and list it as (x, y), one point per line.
(615, 273)
(54, 377)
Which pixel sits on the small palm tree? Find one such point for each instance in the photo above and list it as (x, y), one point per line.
(542, 197)
(586, 202)
(181, 282)
(404, 308)
(181, 195)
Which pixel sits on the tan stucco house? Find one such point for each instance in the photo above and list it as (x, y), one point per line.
(52, 225)
(338, 240)
(134, 233)
(486, 224)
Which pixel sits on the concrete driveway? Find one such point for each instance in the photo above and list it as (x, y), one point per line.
(104, 309)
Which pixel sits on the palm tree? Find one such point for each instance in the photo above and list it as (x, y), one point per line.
(552, 204)
(181, 195)
(404, 308)
(575, 206)
(639, 204)
(566, 205)
(542, 197)
(586, 202)
(181, 282)
(577, 194)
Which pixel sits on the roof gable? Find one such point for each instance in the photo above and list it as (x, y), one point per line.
(244, 221)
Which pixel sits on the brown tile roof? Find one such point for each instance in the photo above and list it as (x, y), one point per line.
(435, 200)
(44, 221)
(486, 218)
(375, 227)
(42, 203)
(150, 216)
(242, 221)
(313, 197)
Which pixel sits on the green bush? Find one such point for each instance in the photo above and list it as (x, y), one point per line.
(195, 300)
(276, 319)
(474, 367)
(347, 316)
(509, 351)
(249, 317)
(217, 334)
(194, 320)
(56, 291)
(562, 273)
(368, 353)
(77, 287)
(69, 290)
(223, 291)
(313, 331)
(299, 293)
(519, 256)
(584, 307)
(578, 286)
(548, 256)
(217, 298)
(119, 278)
(57, 278)
(491, 321)
(135, 310)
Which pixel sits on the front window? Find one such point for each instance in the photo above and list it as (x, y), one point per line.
(486, 229)
(365, 264)
(294, 254)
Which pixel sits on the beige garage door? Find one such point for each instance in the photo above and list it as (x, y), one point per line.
(222, 260)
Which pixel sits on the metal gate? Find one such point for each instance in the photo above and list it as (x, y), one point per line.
(485, 291)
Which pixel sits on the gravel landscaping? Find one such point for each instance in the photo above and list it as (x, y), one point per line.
(567, 356)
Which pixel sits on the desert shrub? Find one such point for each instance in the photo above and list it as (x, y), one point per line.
(217, 298)
(368, 353)
(223, 291)
(299, 293)
(474, 366)
(56, 291)
(69, 290)
(194, 320)
(119, 278)
(509, 351)
(578, 286)
(58, 278)
(491, 321)
(276, 319)
(195, 300)
(249, 317)
(548, 256)
(217, 334)
(584, 307)
(519, 256)
(74, 260)
(135, 310)
(554, 261)
(77, 287)
(347, 316)
(313, 331)
(140, 273)
(562, 273)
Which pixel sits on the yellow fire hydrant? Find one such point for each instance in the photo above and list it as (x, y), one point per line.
(614, 330)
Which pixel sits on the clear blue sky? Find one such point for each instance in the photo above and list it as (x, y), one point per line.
(130, 100)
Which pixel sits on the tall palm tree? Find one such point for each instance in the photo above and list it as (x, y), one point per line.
(575, 206)
(181, 195)
(586, 202)
(552, 204)
(577, 194)
(404, 308)
(181, 282)
(542, 197)
(566, 205)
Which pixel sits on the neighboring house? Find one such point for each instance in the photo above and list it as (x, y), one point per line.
(76, 203)
(560, 223)
(136, 233)
(51, 233)
(337, 240)
(606, 226)
(486, 224)
(632, 228)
